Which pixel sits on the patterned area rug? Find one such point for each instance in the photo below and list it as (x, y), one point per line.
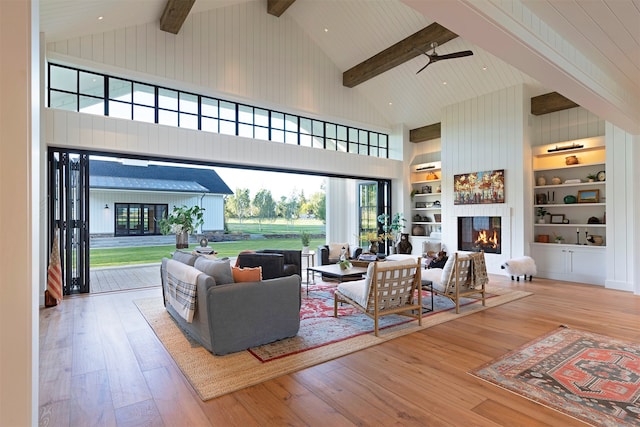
(591, 377)
(321, 338)
(318, 327)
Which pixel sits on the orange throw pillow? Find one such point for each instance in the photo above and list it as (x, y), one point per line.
(247, 274)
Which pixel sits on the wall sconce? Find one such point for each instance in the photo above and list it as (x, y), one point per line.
(106, 206)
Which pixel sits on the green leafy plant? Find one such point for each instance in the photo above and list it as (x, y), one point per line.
(541, 212)
(182, 219)
(344, 264)
(394, 226)
(592, 176)
(305, 238)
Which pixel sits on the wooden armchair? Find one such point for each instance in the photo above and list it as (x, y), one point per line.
(389, 287)
(463, 276)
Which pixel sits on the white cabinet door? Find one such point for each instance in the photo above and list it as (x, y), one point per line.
(573, 263)
(587, 264)
(551, 260)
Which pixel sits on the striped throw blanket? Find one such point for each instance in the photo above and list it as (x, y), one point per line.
(181, 281)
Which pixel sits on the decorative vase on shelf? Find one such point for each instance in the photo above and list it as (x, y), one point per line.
(418, 230)
(373, 247)
(556, 180)
(182, 240)
(542, 181)
(571, 160)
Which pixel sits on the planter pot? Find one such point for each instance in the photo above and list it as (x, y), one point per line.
(182, 240)
(541, 221)
(305, 249)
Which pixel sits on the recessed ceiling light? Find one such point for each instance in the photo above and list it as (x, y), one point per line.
(444, 83)
(100, 18)
(484, 68)
(326, 30)
(391, 103)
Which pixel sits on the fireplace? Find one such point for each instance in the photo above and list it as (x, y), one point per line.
(480, 233)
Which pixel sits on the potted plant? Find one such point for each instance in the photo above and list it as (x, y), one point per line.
(591, 177)
(182, 221)
(541, 213)
(558, 238)
(305, 238)
(392, 227)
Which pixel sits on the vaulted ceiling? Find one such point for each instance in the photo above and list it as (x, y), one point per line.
(589, 51)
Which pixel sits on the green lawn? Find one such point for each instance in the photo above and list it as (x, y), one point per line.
(105, 257)
(152, 254)
(278, 226)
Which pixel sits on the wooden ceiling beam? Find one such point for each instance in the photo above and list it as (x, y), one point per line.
(550, 103)
(277, 7)
(425, 133)
(174, 14)
(397, 54)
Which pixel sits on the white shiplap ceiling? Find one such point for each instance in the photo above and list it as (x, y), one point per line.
(607, 32)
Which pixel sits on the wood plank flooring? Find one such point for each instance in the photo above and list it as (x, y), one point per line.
(101, 364)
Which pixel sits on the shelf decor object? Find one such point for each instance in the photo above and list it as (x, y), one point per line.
(589, 196)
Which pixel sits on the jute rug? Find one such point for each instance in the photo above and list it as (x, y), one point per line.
(212, 376)
(591, 377)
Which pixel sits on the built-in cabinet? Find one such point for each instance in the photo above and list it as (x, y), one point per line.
(426, 198)
(569, 204)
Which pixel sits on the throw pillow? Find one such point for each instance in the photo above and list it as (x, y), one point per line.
(185, 257)
(247, 274)
(219, 269)
(335, 249)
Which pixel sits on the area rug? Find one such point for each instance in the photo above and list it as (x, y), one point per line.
(591, 377)
(212, 376)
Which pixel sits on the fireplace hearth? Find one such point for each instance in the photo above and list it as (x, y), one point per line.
(480, 233)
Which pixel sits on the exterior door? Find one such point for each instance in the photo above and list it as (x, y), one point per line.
(69, 212)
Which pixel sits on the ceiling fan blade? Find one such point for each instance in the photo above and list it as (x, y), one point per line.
(424, 67)
(455, 55)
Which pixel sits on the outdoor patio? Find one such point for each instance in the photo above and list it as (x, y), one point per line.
(124, 278)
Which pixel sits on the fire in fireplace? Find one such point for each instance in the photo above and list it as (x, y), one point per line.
(480, 233)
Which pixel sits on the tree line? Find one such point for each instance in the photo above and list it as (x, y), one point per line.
(265, 208)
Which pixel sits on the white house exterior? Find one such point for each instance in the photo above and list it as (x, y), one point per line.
(128, 200)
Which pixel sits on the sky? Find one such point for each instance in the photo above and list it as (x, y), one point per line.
(280, 184)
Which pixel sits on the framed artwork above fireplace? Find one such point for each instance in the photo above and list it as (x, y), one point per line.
(479, 187)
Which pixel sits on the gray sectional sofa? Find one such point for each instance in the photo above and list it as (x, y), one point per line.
(231, 317)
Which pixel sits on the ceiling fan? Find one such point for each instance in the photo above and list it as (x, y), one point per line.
(434, 57)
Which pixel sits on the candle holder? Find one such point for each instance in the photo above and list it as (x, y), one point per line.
(586, 235)
(577, 236)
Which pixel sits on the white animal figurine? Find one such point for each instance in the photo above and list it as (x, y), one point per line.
(522, 266)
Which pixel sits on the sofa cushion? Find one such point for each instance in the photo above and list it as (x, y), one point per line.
(335, 250)
(247, 274)
(185, 257)
(219, 269)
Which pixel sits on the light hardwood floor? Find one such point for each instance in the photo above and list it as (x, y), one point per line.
(101, 364)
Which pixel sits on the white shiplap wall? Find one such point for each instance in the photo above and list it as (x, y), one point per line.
(238, 52)
(623, 220)
(487, 133)
(67, 129)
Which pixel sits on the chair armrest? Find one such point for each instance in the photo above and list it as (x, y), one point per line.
(323, 254)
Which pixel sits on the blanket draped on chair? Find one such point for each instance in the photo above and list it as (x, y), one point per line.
(181, 281)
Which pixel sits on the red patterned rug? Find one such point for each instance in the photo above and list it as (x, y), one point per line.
(591, 377)
(318, 327)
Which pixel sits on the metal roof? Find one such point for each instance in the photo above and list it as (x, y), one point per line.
(145, 184)
(115, 175)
